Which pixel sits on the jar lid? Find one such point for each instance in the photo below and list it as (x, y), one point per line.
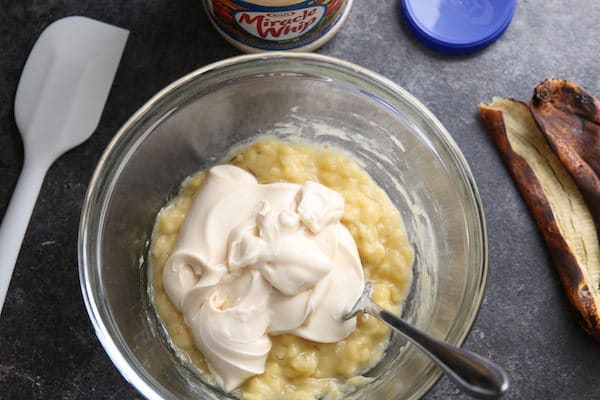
(458, 26)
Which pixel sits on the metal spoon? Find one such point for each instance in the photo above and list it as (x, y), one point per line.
(473, 374)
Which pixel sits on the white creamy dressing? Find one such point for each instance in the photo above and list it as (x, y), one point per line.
(254, 260)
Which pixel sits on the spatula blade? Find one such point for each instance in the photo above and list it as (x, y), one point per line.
(65, 83)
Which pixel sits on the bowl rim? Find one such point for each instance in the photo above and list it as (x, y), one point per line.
(107, 341)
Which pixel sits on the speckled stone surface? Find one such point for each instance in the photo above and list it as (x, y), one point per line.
(48, 349)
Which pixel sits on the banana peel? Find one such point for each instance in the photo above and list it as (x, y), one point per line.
(552, 195)
(569, 117)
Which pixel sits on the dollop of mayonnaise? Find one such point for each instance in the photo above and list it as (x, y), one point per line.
(254, 260)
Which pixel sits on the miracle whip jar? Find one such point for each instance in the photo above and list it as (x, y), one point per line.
(258, 25)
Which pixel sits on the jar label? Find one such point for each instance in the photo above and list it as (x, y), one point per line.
(275, 28)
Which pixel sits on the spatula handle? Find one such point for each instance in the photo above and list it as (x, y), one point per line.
(16, 219)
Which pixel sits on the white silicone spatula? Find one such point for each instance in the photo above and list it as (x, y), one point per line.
(59, 100)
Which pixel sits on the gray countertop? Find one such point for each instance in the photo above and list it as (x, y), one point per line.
(47, 346)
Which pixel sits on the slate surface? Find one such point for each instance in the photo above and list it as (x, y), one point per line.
(47, 346)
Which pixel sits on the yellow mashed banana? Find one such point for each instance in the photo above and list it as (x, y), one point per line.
(298, 368)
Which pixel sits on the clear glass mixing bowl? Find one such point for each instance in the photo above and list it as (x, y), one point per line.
(192, 124)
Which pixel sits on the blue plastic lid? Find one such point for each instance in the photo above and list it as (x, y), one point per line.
(458, 26)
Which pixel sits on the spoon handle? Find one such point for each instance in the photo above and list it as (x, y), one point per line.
(16, 219)
(475, 375)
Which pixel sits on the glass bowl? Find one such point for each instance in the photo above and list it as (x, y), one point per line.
(194, 122)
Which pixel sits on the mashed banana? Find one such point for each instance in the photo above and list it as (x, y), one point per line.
(298, 368)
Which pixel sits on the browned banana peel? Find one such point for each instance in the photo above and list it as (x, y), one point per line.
(555, 201)
(569, 117)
